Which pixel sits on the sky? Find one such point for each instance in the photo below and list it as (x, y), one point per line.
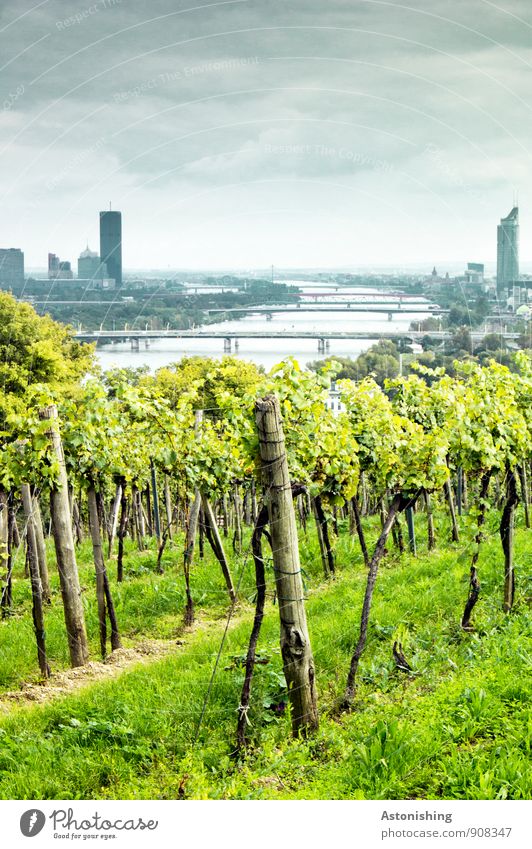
(245, 133)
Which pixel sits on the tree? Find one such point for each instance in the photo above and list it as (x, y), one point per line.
(36, 350)
(212, 378)
(380, 361)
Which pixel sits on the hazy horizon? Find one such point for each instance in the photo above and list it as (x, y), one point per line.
(237, 134)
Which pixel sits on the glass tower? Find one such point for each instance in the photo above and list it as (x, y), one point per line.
(111, 244)
(508, 250)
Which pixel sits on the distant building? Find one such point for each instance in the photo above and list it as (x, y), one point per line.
(111, 244)
(59, 270)
(65, 271)
(508, 250)
(90, 266)
(519, 293)
(53, 266)
(475, 272)
(333, 401)
(435, 277)
(11, 266)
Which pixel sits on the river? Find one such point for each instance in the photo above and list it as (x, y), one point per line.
(267, 352)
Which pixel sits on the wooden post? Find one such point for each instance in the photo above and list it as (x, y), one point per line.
(411, 529)
(459, 490)
(136, 507)
(168, 506)
(431, 539)
(455, 536)
(254, 510)
(76, 518)
(190, 539)
(149, 512)
(41, 550)
(359, 529)
(36, 586)
(295, 641)
(507, 538)
(113, 521)
(65, 551)
(327, 557)
(122, 531)
(524, 492)
(225, 513)
(4, 550)
(102, 592)
(155, 495)
(237, 535)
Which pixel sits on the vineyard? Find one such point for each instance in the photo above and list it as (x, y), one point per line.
(158, 532)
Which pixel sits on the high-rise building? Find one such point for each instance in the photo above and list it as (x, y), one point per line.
(111, 244)
(475, 272)
(90, 266)
(508, 250)
(11, 266)
(58, 270)
(53, 266)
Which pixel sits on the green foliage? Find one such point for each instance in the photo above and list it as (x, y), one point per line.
(35, 350)
(380, 362)
(215, 380)
(460, 728)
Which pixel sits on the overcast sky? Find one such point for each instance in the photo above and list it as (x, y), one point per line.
(248, 132)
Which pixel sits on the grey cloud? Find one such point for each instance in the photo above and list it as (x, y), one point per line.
(347, 91)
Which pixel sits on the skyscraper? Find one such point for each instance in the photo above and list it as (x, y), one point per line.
(508, 250)
(111, 244)
(11, 266)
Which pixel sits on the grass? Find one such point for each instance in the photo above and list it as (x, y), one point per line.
(459, 727)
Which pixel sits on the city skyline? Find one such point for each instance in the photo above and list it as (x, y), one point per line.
(235, 136)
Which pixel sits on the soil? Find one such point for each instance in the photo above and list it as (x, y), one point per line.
(65, 682)
(68, 681)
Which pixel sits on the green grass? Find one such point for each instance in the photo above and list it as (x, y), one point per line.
(460, 727)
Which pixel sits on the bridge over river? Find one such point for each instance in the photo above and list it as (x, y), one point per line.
(231, 337)
(323, 306)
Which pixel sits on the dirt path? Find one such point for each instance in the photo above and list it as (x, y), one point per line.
(69, 680)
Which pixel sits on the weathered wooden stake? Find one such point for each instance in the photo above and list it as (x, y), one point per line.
(41, 550)
(190, 538)
(4, 552)
(113, 519)
(156, 513)
(295, 641)
(455, 534)
(357, 520)
(507, 538)
(168, 506)
(524, 492)
(327, 556)
(65, 551)
(409, 513)
(431, 538)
